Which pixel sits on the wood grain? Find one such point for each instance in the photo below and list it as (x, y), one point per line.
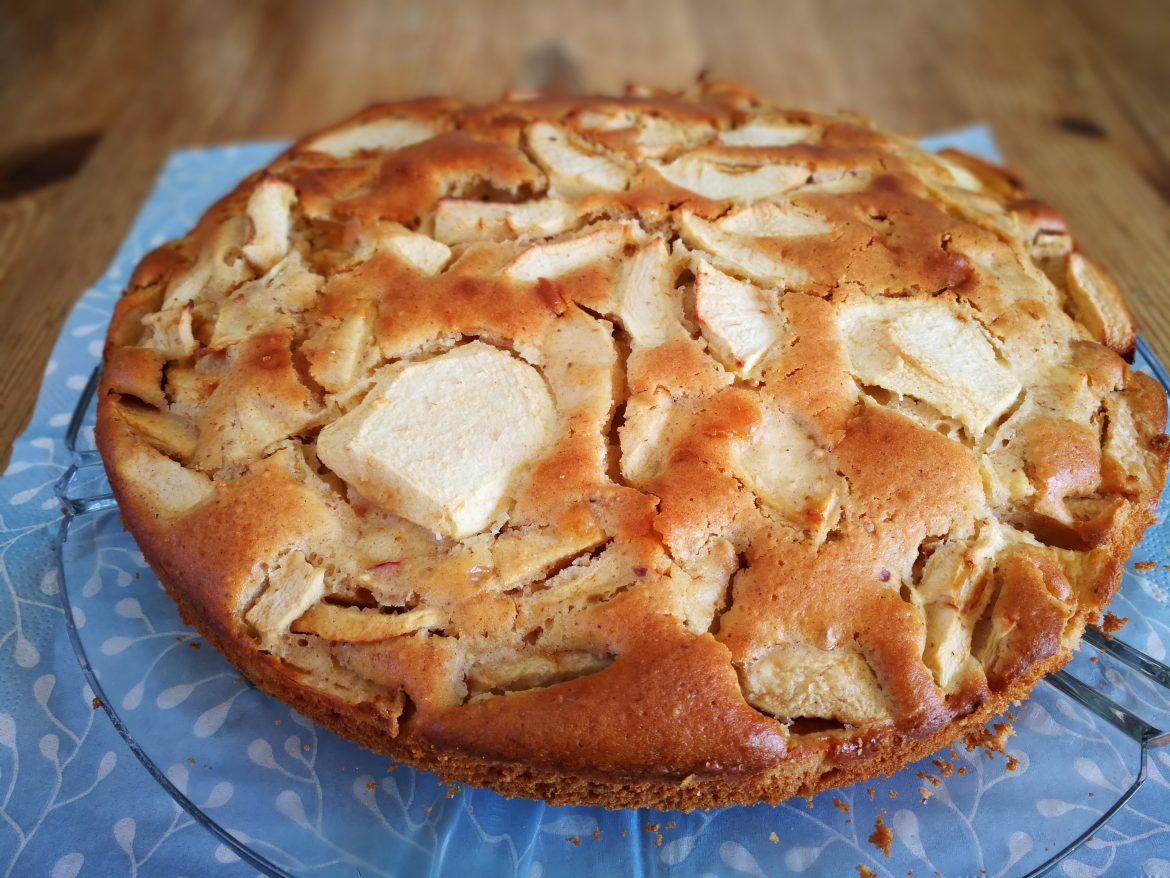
(95, 94)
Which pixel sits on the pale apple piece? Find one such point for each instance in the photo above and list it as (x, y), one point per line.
(737, 319)
(364, 625)
(653, 136)
(717, 179)
(519, 557)
(441, 441)
(581, 366)
(1005, 479)
(740, 254)
(1124, 465)
(1050, 251)
(1099, 305)
(169, 433)
(648, 306)
(522, 672)
(798, 681)
(221, 266)
(293, 586)
(774, 219)
(926, 350)
(573, 169)
(269, 210)
(335, 350)
(575, 588)
(953, 590)
(288, 288)
(438, 681)
(380, 135)
(604, 242)
(785, 467)
(169, 331)
(421, 252)
(167, 486)
(188, 388)
(960, 176)
(318, 660)
(764, 132)
(653, 423)
(459, 220)
(703, 579)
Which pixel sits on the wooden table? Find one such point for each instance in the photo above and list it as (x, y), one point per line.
(93, 95)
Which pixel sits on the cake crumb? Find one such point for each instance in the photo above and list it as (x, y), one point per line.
(194, 644)
(961, 770)
(808, 803)
(574, 841)
(96, 702)
(992, 740)
(1143, 566)
(597, 833)
(925, 794)
(773, 837)
(1093, 659)
(882, 836)
(670, 824)
(1111, 624)
(869, 792)
(651, 827)
(843, 807)
(893, 794)
(190, 760)
(453, 791)
(371, 786)
(929, 778)
(945, 767)
(276, 722)
(305, 748)
(866, 872)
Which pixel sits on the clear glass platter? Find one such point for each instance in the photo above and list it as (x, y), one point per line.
(295, 800)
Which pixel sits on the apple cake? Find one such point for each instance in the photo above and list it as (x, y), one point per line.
(669, 449)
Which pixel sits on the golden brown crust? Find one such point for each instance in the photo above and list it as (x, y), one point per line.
(784, 458)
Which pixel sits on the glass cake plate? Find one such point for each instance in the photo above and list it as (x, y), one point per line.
(295, 800)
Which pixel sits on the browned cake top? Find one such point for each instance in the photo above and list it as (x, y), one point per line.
(653, 436)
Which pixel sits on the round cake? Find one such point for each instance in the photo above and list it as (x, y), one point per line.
(671, 450)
